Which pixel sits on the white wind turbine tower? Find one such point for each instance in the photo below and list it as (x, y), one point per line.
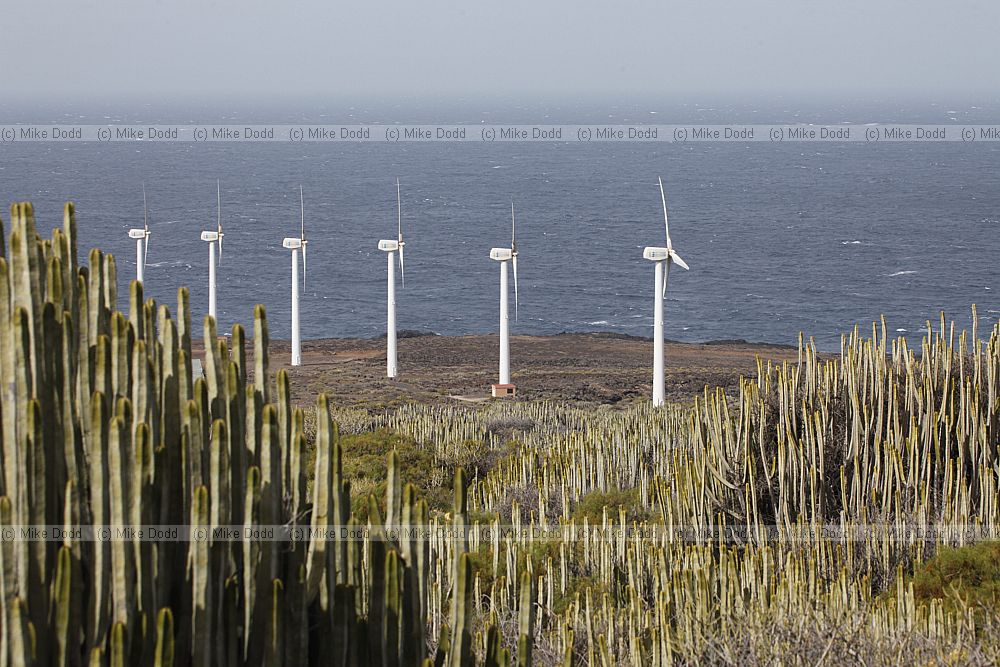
(505, 255)
(390, 247)
(663, 257)
(294, 244)
(141, 237)
(212, 238)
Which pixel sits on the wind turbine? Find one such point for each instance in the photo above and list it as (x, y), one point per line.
(505, 255)
(212, 238)
(141, 237)
(663, 257)
(294, 244)
(390, 247)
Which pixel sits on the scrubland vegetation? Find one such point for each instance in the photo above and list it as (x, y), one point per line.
(832, 511)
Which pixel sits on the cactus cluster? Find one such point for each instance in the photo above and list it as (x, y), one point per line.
(103, 426)
(793, 508)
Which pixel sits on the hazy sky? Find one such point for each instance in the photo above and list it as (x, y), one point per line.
(108, 49)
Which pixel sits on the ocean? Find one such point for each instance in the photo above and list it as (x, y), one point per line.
(781, 238)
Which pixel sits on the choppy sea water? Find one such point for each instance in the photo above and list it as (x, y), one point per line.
(780, 238)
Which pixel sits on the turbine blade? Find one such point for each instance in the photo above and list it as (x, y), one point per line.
(302, 228)
(218, 216)
(666, 223)
(676, 259)
(513, 237)
(303, 267)
(402, 270)
(666, 278)
(145, 226)
(399, 216)
(399, 234)
(514, 262)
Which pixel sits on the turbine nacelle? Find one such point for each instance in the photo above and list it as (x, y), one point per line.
(655, 254)
(390, 245)
(501, 254)
(137, 233)
(210, 237)
(663, 254)
(292, 243)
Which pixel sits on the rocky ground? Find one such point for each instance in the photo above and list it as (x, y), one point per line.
(586, 368)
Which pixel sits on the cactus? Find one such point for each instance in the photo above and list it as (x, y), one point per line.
(214, 371)
(65, 602)
(250, 554)
(8, 577)
(20, 634)
(8, 396)
(164, 655)
(261, 343)
(122, 555)
(184, 320)
(236, 444)
(394, 500)
(496, 655)
(271, 493)
(568, 656)
(37, 550)
(415, 557)
(461, 631)
(136, 308)
(274, 641)
(344, 627)
(119, 648)
(109, 284)
(100, 512)
(201, 591)
(219, 475)
(322, 507)
(393, 609)
(375, 575)
(142, 512)
(526, 621)
(296, 482)
(284, 413)
(443, 648)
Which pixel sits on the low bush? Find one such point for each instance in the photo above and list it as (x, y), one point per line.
(962, 577)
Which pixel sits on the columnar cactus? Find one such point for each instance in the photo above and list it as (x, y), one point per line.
(104, 426)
